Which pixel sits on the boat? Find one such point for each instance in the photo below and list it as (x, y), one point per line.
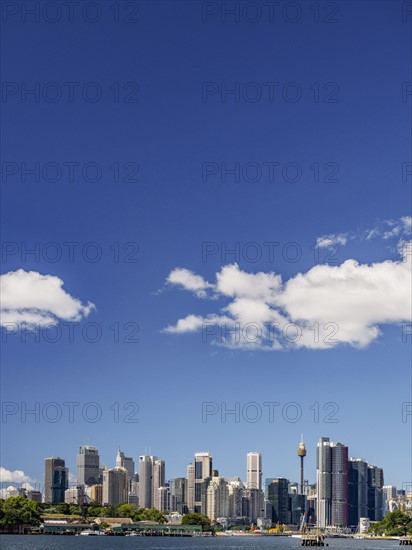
(90, 533)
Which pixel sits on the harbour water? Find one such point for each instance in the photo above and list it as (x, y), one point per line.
(44, 542)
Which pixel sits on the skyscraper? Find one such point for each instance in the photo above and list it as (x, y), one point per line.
(278, 496)
(190, 497)
(178, 488)
(163, 499)
(115, 490)
(203, 471)
(332, 483)
(324, 482)
(217, 499)
(375, 493)
(158, 481)
(254, 471)
(146, 463)
(56, 480)
(87, 465)
(358, 490)
(127, 463)
(340, 485)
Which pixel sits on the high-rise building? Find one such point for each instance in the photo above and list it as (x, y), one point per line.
(332, 483)
(127, 463)
(56, 480)
(203, 471)
(217, 499)
(115, 490)
(358, 490)
(278, 496)
(178, 488)
(324, 482)
(158, 481)
(254, 471)
(146, 463)
(190, 498)
(87, 465)
(163, 499)
(375, 493)
(340, 485)
(235, 489)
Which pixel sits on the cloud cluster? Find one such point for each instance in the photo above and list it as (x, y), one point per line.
(352, 301)
(34, 299)
(385, 229)
(18, 477)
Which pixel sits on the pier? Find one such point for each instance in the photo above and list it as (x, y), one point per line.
(407, 541)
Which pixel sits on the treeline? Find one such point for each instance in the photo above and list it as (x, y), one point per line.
(20, 511)
(394, 524)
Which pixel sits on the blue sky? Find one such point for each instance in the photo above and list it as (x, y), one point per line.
(164, 119)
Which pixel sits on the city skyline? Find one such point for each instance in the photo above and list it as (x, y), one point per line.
(347, 489)
(150, 462)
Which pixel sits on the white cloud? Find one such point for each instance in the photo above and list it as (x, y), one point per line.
(189, 281)
(35, 299)
(334, 238)
(13, 476)
(18, 477)
(324, 307)
(384, 229)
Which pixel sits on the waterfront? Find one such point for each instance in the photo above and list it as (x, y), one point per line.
(40, 542)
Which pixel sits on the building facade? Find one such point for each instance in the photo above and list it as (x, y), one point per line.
(56, 480)
(115, 490)
(254, 471)
(203, 471)
(87, 465)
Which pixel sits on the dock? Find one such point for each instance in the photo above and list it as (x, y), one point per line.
(407, 541)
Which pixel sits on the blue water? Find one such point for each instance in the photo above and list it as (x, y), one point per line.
(39, 542)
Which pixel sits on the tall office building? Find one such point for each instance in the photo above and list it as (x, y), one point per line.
(127, 463)
(255, 504)
(158, 481)
(87, 466)
(324, 482)
(217, 502)
(190, 496)
(340, 485)
(178, 488)
(163, 499)
(375, 493)
(146, 463)
(235, 488)
(203, 472)
(115, 490)
(254, 471)
(56, 480)
(332, 483)
(278, 496)
(358, 490)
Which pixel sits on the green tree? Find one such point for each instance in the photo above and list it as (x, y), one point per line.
(18, 511)
(197, 519)
(394, 524)
(126, 510)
